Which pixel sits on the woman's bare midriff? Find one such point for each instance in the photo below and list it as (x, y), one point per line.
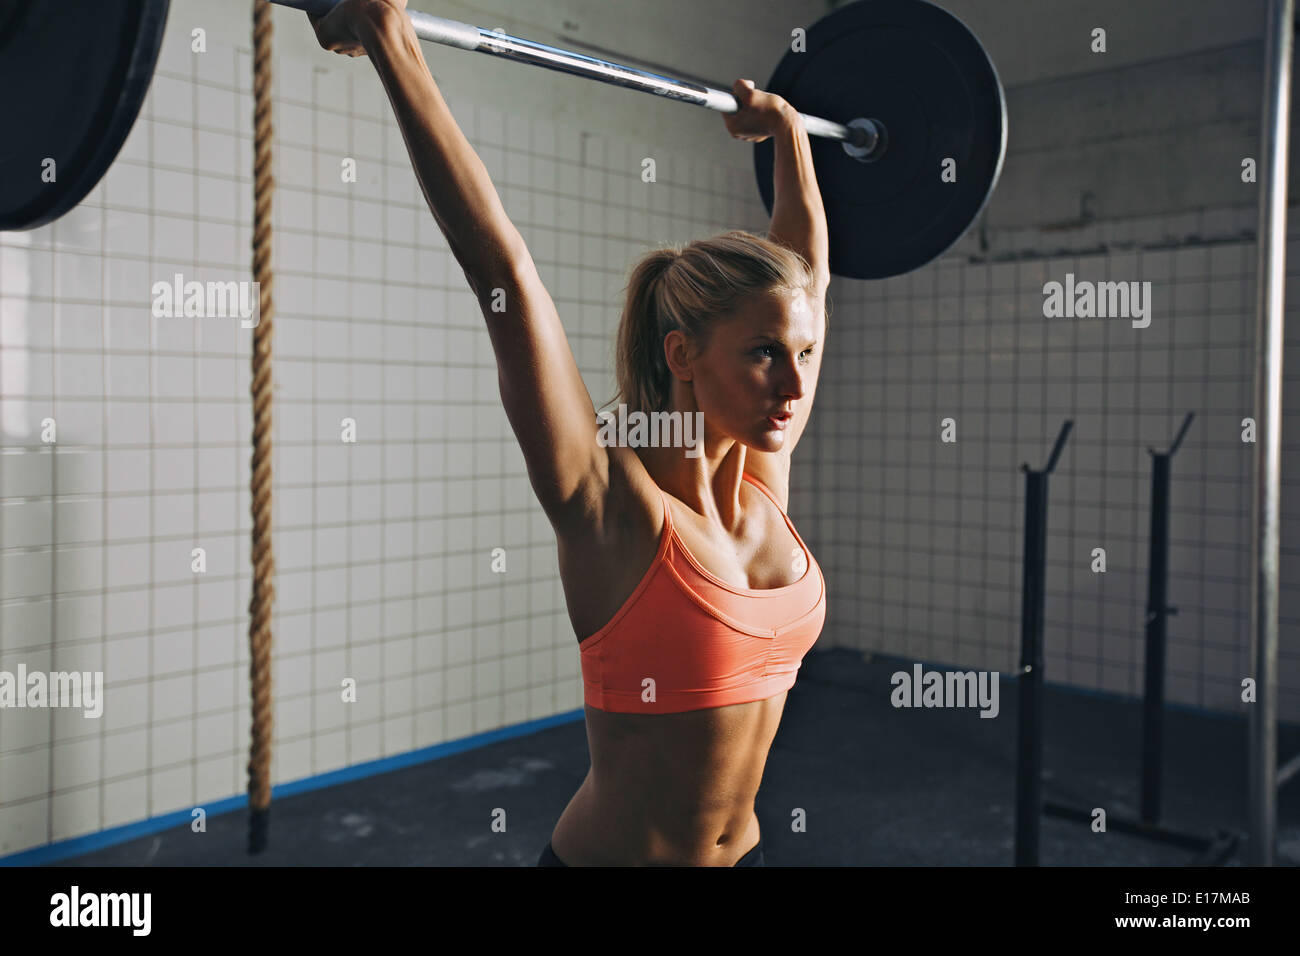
(669, 789)
(663, 789)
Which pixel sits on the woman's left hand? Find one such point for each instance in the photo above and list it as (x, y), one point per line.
(760, 115)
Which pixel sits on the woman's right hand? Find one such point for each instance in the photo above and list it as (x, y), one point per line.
(759, 115)
(336, 31)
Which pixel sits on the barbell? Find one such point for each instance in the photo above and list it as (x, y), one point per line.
(907, 156)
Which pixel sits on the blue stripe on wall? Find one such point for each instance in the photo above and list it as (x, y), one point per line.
(63, 849)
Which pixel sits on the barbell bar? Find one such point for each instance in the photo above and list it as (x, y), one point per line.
(906, 114)
(861, 138)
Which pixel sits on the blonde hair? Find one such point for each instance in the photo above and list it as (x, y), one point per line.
(688, 288)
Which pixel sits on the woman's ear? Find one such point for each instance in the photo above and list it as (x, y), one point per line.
(678, 354)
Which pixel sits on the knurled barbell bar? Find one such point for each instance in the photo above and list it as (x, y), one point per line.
(907, 160)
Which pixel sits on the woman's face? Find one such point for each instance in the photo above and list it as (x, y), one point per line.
(760, 361)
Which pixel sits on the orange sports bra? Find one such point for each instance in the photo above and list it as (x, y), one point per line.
(685, 640)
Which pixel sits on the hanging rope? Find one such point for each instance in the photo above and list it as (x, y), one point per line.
(259, 624)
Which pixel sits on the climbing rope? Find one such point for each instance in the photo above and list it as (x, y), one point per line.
(263, 597)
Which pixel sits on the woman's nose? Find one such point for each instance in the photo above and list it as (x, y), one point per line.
(792, 384)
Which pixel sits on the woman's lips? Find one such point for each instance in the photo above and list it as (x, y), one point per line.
(782, 421)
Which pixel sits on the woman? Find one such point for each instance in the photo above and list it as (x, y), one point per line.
(694, 598)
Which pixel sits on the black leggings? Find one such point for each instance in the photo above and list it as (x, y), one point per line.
(753, 858)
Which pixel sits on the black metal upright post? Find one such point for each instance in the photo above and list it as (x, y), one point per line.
(1029, 731)
(1158, 610)
(1029, 801)
(1029, 776)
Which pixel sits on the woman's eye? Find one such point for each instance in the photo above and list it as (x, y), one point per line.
(769, 349)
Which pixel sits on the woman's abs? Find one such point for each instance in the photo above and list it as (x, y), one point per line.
(669, 789)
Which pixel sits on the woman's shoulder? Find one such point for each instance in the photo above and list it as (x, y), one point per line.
(772, 469)
(632, 497)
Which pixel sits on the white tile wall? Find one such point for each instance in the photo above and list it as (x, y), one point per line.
(922, 541)
(381, 547)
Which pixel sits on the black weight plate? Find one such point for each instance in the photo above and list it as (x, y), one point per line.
(73, 75)
(920, 71)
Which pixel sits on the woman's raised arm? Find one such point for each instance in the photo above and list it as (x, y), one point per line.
(545, 398)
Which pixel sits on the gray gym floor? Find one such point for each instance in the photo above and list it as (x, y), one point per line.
(880, 786)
